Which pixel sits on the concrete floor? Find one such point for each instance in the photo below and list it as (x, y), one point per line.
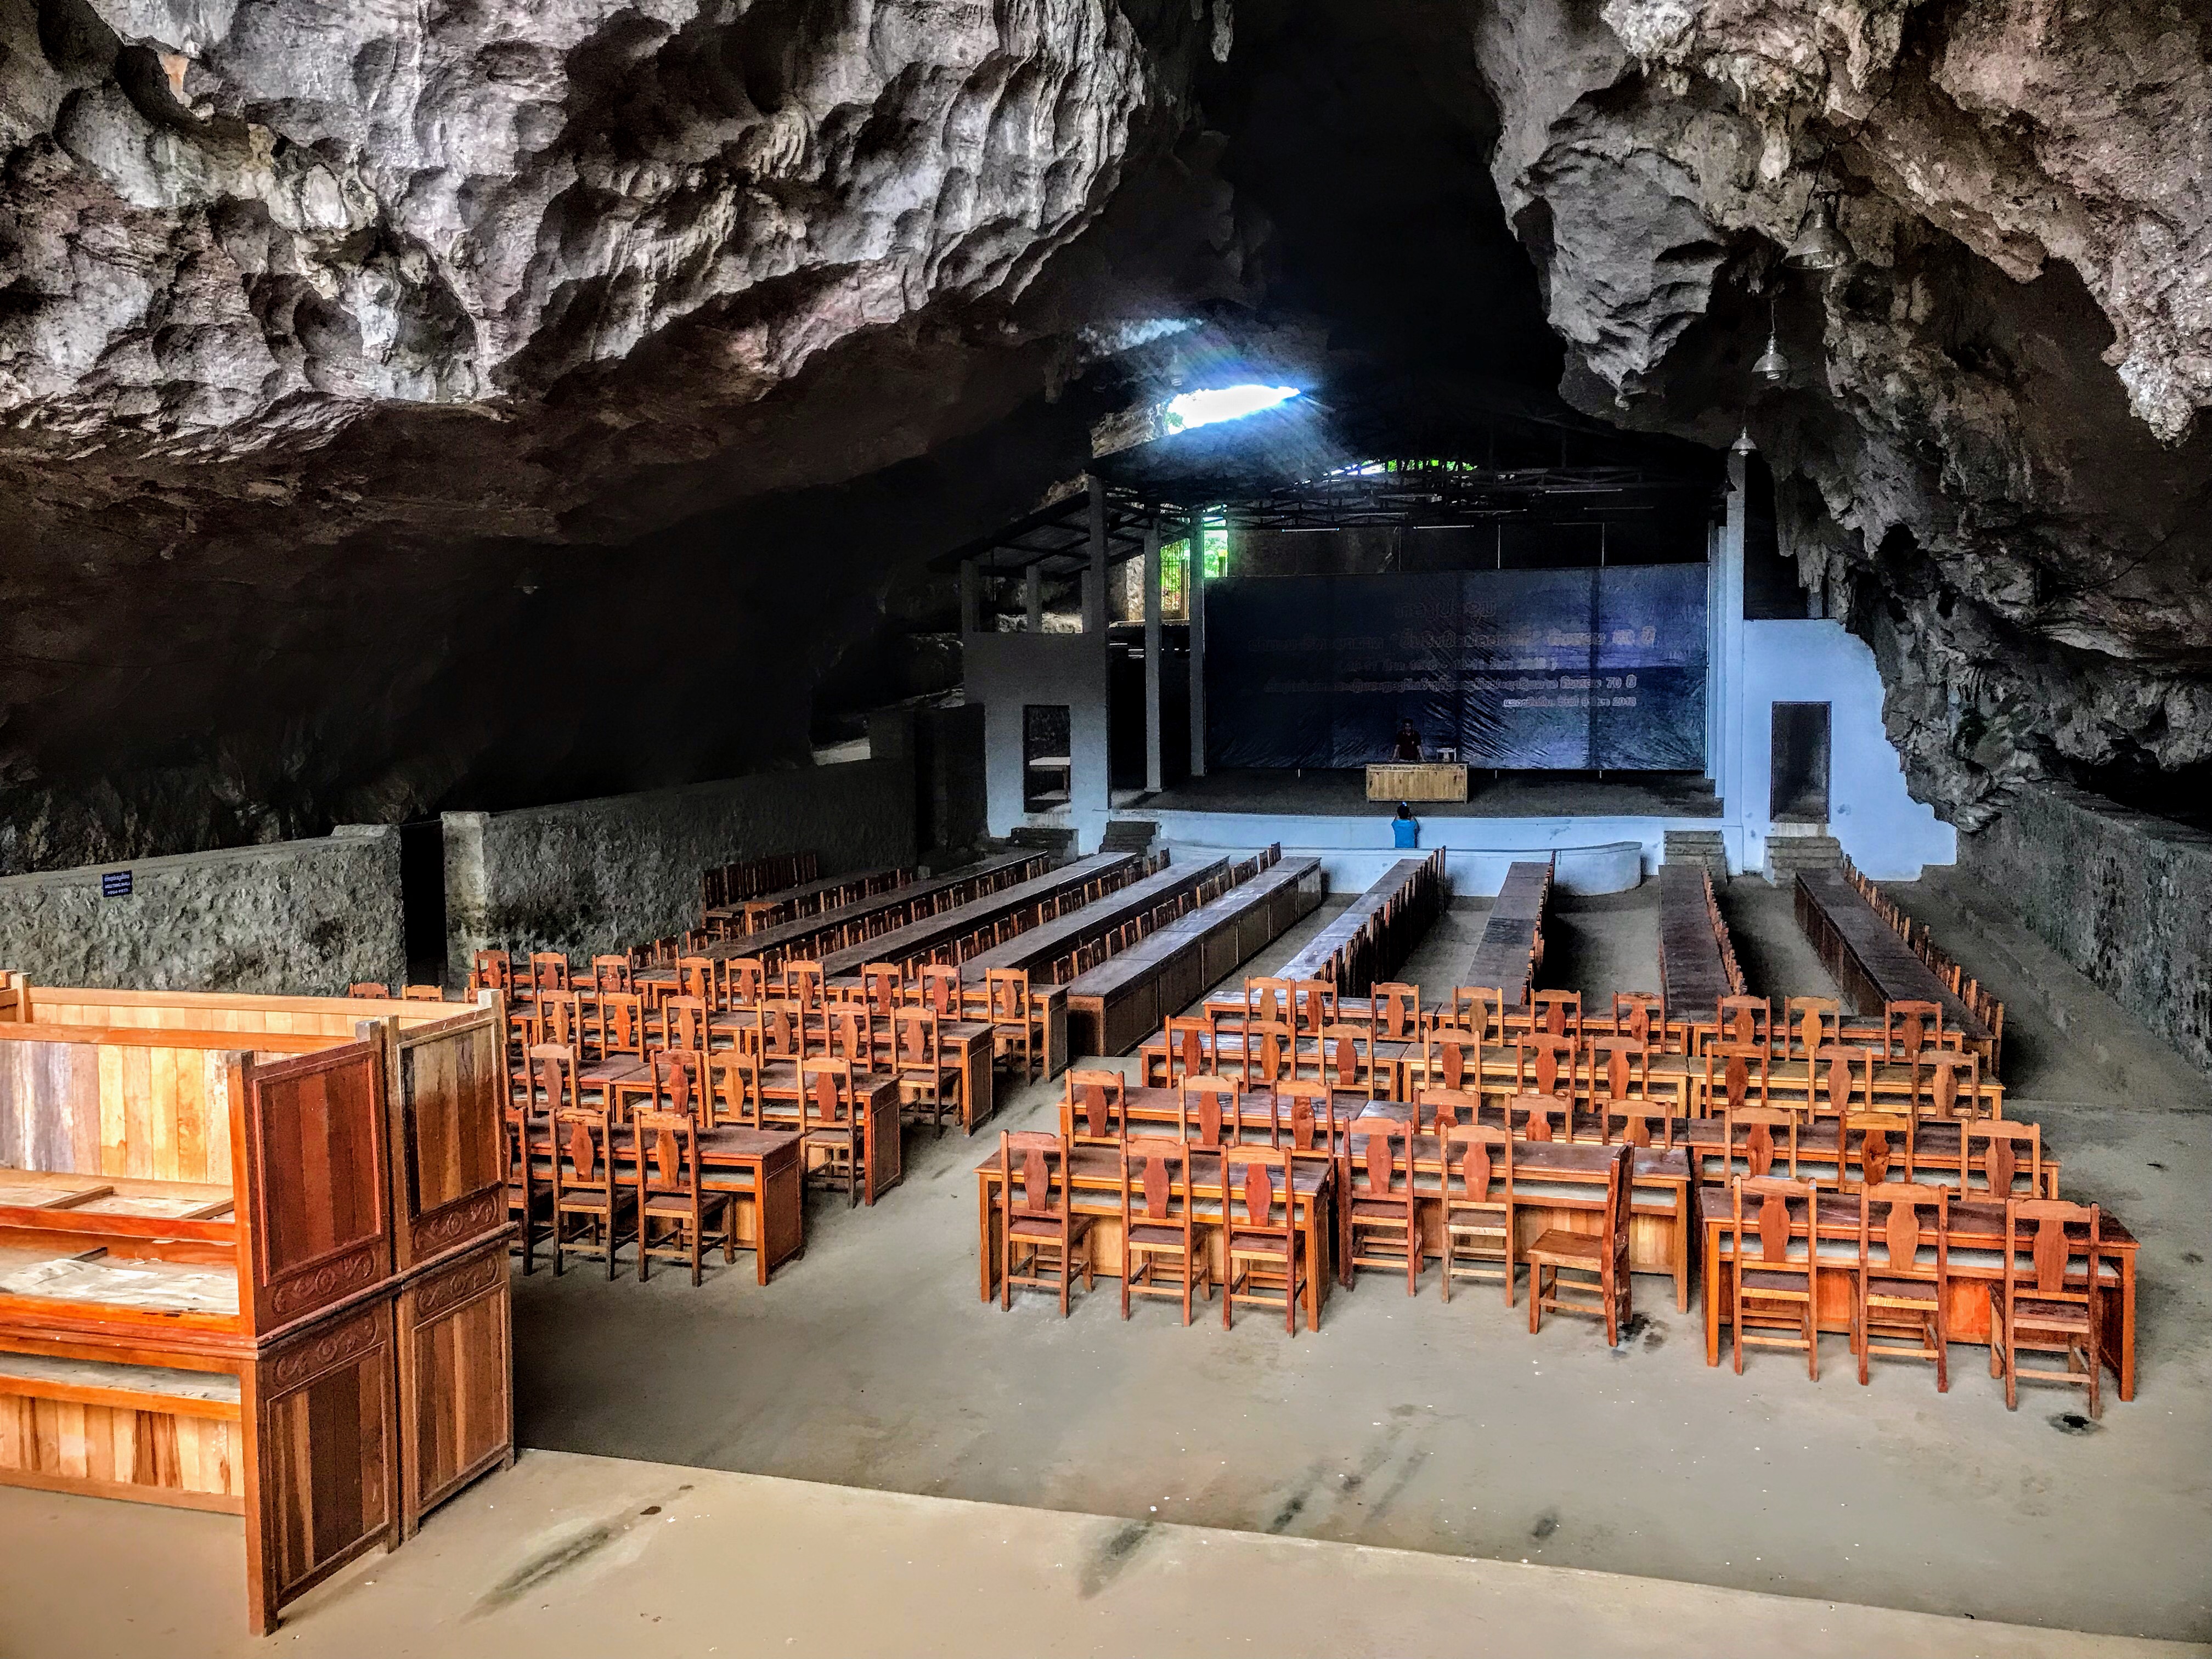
(1408, 1424)
(1446, 1431)
(565, 1557)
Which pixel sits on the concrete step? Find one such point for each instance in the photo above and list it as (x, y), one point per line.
(1704, 847)
(1049, 838)
(1129, 836)
(1787, 854)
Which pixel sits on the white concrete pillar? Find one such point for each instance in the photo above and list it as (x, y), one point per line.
(1094, 585)
(1734, 744)
(1195, 597)
(1154, 779)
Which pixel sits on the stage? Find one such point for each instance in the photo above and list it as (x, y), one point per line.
(1604, 834)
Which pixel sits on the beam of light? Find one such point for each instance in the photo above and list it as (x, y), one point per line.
(1227, 403)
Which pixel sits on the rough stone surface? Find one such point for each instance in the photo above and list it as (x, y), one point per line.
(301, 918)
(1984, 448)
(2124, 897)
(597, 875)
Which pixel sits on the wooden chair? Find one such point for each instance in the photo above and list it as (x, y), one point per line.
(1544, 1063)
(679, 1083)
(1477, 1205)
(1018, 1014)
(683, 1022)
(1898, 1301)
(1346, 1061)
(586, 1188)
(829, 1124)
(1750, 1132)
(926, 1079)
(848, 1030)
(1480, 1011)
(1209, 1103)
(1450, 1056)
(1810, 1024)
(1737, 1074)
(1598, 1260)
(1041, 1241)
(1384, 1230)
(422, 993)
(1839, 1080)
(551, 1074)
(1447, 1108)
(529, 1196)
(1269, 998)
(558, 1017)
(1258, 1214)
(1629, 1122)
(1395, 1011)
(1908, 1027)
(1620, 1071)
(2055, 1307)
(937, 988)
(1780, 1293)
(1641, 1015)
(801, 981)
(1269, 1053)
(613, 973)
(1094, 1107)
(1948, 1084)
(744, 981)
(666, 1161)
(733, 1081)
(1190, 1047)
(1307, 1109)
(882, 986)
(492, 970)
(1745, 1022)
(1315, 1002)
(1556, 1013)
(1880, 1142)
(2007, 1151)
(367, 988)
(549, 971)
(1535, 1116)
(1161, 1230)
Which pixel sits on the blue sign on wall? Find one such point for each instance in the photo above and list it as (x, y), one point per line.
(115, 884)
(1595, 667)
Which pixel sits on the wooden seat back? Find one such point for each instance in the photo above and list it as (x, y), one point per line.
(733, 1079)
(1630, 1121)
(549, 971)
(1447, 1108)
(1810, 1023)
(1535, 1116)
(1395, 1011)
(1996, 1153)
(679, 1081)
(1641, 1015)
(1268, 1052)
(1480, 1011)
(1737, 1074)
(1347, 1059)
(1544, 1063)
(1759, 1135)
(1908, 1027)
(826, 1099)
(1315, 1005)
(1893, 1232)
(492, 970)
(1882, 1143)
(1556, 1013)
(1840, 1079)
(1033, 1175)
(1619, 1070)
(1094, 1106)
(1776, 1222)
(1746, 1022)
(1209, 1106)
(1190, 1047)
(553, 1073)
(1478, 1165)
(1450, 1056)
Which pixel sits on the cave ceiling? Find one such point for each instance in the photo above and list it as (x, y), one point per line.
(486, 402)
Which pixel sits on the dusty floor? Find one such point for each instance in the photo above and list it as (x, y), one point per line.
(580, 1557)
(1409, 1424)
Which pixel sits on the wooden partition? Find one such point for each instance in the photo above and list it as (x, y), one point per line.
(261, 1272)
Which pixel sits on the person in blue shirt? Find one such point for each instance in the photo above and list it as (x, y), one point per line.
(1406, 828)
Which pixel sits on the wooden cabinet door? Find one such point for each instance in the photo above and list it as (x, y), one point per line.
(316, 1192)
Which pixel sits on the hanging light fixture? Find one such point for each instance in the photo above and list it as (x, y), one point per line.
(1743, 445)
(1819, 245)
(1772, 366)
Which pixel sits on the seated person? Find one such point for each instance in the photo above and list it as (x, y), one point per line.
(1409, 742)
(1405, 828)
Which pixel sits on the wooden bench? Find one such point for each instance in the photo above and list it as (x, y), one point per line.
(940, 935)
(1697, 959)
(1512, 944)
(834, 929)
(1114, 1007)
(1378, 932)
(1870, 962)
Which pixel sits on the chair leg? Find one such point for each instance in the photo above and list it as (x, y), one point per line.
(1811, 1334)
(1535, 1296)
(1445, 1286)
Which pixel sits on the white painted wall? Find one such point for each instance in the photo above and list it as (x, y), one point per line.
(1886, 833)
(1004, 671)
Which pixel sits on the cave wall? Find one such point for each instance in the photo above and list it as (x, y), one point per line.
(2125, 898)
(298, 918)
(594, 877)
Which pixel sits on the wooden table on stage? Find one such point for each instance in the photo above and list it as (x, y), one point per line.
(1095, 1177)
(1864, 955)
(1413, 781)
(775, 1227)
(1977, 1262)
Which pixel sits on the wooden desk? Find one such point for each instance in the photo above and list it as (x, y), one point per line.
(827, 929)
(920, 940)
(1094, 1174)
(1413, 781)
(876, 1105)
(1977, 1262)
(1378, 932)
(1035, 949)
(778, 1213)
(1864, 955)
(1695, 963)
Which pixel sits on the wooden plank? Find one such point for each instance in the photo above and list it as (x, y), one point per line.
(1512, 942)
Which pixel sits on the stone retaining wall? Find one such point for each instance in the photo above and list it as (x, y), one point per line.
(2125, 898)
(298, 917)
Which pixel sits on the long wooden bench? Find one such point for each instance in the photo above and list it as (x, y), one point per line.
(1511, 948)
(750, 915)
(255, 1270)
(1869, 960)
(938, 934)
(1037, 950)
(833, 929)
(1115, 1005)
(1696, 960)
(1378, 932)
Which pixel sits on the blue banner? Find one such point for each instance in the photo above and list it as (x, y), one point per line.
(1589, 668)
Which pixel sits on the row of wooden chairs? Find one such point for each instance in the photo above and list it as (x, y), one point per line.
(730, 884)
(1901, 1281)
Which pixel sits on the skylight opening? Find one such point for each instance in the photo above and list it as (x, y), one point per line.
(1227, 403)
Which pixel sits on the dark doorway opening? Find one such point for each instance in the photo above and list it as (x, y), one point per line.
(1798, 791)
(1048, 758)
(422, 899)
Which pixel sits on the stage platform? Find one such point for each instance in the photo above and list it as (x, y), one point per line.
(1604, 835)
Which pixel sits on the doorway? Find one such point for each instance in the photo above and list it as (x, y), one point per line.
(1048, 758)
(422, 899)
(1798, 789)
